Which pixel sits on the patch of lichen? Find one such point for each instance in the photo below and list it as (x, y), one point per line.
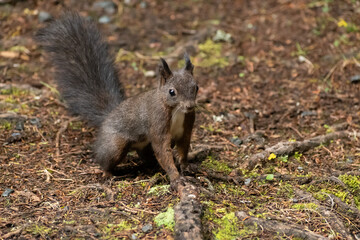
(218, 166)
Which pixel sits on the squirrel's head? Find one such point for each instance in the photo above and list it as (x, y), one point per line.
(178, 89)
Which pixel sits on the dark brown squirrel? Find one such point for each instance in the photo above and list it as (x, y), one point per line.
(88, 82)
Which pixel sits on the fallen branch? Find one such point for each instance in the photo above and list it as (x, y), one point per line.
(288, 148)
(327, 214)
(291, 230)
(187, 214)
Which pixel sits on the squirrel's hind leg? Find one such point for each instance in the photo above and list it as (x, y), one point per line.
(110, 151)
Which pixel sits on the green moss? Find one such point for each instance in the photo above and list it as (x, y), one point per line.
(304, 206)
(215, 165)
(14, 91)
(286, 189)
(76, 125)
(229, 227)
(210, 55)
(39, 230)
(6, 125)
(111, 229)
(353, 184)
(166, 219)
(229, 189)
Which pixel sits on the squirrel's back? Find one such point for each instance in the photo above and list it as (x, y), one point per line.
(85, 73)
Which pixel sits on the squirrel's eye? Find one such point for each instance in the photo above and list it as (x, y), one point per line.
(172, 92)
(197, 88)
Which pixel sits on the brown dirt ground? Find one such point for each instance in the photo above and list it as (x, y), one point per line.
(289, 70)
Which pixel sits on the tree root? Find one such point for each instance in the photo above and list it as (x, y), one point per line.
(330, 217)
(350, 211)
(291, 230)
(187, 214)
(288, 148)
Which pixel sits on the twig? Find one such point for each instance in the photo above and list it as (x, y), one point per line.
(287, 229)
(57, 140)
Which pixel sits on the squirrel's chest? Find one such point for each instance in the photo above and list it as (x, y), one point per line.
(177, 125)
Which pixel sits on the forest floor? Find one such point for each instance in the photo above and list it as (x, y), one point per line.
(268, 71)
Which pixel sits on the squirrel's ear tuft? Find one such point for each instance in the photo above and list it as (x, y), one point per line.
(164, 70)
(188, 65)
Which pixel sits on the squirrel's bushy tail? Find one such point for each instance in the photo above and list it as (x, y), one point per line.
(85, 73)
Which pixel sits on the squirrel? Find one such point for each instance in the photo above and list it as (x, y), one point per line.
(150, 123)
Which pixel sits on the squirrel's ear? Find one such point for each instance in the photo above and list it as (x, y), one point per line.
(188, 65)
(165, 72)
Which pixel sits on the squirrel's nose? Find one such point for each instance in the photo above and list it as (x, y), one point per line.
(189, 106)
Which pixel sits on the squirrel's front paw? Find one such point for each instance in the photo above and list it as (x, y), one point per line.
(177, 183)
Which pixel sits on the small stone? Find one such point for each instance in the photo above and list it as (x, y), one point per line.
(14, 137)
(247, 181)
(108, 6)
(294, 200)
(133, 236)
(104, 19)
(36, 122)
(7, 192)
(143, 4)
(308, 113)
(222, 36)
(218, 118)
(150, 73)
(147, 228)
(355, 79)
(44, 16)
(237, 141)
(300, 168)
(19, 126)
